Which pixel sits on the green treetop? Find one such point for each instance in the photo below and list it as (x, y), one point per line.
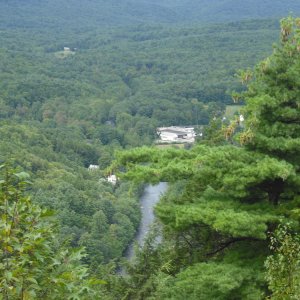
(273, 98)
(224, 200)
(32, 264)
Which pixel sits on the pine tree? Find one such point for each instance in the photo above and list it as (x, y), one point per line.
(231, 196)
(273, 98)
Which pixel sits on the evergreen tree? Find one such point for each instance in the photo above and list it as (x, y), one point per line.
(231, 196)
(273, 99)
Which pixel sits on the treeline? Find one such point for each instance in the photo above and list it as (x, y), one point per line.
(57, 14)
(120, 84)
(64, 110)
(230, 220)
(91, 212)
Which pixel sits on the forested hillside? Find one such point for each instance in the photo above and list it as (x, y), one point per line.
(93, 13)
(80, 80)
(137, 79)
(226, 201)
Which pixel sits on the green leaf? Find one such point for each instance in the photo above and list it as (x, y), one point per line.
(95, 281)
(32, 280)
(8, 275)
(22, 175)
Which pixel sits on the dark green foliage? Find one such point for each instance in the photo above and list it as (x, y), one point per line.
(209, 281)
(274, 105)
(123, 83)
(74, 13)
(141, 274)
(229, 197)
(62, 112)
(224, 184)
(78, 195)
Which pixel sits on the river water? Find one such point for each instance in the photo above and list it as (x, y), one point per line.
(150, 197)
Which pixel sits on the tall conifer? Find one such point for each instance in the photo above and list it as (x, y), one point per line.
(224, 201)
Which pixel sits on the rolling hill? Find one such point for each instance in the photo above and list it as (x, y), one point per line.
(95, 13)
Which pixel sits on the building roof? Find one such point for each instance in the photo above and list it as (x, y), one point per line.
(174, 131)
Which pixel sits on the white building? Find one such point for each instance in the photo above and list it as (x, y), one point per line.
(176, 134)
(93, 167)
(112, 179)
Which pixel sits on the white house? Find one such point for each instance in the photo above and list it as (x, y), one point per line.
(112, 179)
(67, 49)
(93, 167)
(176, 134)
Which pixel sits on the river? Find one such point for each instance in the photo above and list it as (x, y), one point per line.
(148, 200)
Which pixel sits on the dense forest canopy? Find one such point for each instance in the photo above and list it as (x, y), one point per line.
(82, 79)
(134, 78)
(226, 200)
(33, 263)
(61, 112)
(92, 13)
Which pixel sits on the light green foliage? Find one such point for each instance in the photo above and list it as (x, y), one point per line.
(58, 116)
(227, 188)
(209, 281)
(92, 213)
(55, 159)
(282, 266)
(33, 265)
(213, 133)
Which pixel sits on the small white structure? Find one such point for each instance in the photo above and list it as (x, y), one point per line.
(176, 134)
(67, 49)
(93, 167)
(112, 179)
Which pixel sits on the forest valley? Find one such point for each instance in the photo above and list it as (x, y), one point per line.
(95, 96)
